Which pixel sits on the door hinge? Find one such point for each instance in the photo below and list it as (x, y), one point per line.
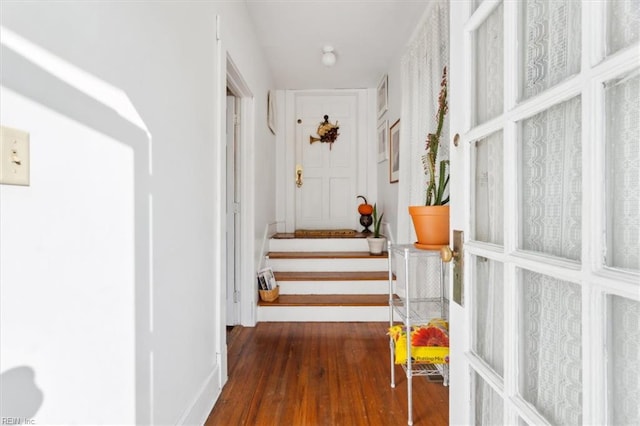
(236, 296)
(236, 208)
(236, 120)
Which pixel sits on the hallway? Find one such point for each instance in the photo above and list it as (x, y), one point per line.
(320, 374)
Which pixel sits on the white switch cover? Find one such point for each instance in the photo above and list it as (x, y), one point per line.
(14, 157)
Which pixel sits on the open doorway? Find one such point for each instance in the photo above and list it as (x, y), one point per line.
(240, 301)
(232, 208)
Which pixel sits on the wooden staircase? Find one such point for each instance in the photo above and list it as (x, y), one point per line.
(326, 279)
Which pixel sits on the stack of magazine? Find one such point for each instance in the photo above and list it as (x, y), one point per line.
(266, 279)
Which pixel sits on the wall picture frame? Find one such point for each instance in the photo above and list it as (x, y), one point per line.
(271, 112)
(394, 152)
(383, 143)
(383, 95)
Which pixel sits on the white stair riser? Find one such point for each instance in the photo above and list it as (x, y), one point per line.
(334, 287)
(318, 244)
(323, 265)
(323, 313)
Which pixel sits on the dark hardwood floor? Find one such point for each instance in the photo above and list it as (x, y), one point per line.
(308, 374)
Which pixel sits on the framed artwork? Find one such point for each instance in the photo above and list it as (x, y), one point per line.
(266, 279)
(271, 112)
(383, 92)
(394, 152)
(383, 133)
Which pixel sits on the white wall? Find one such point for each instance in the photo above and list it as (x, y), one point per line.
(108, 260)
(388, 192)
(396, 216)
(259, 159)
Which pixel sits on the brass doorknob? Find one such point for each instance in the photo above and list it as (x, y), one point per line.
(299, 176)
(446, 254)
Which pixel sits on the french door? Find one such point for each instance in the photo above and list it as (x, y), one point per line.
(544, 96)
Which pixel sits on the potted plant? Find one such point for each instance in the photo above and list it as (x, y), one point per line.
(376, 243)
(431, 221)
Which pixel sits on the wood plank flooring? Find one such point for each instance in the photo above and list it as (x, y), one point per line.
(316, 374)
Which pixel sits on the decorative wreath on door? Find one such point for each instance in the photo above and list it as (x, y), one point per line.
(327, 132)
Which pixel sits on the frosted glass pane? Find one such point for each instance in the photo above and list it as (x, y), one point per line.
(623, 172)
(550, 357)
(488, 404)
(552, 43)
(624, 353)
(489, 39)
(551, 182)
(489, 213)
(623, 24)
(489, 314)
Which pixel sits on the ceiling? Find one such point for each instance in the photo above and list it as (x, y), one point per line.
(367, 35)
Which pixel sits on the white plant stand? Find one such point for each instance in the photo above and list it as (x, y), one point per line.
(419, 297)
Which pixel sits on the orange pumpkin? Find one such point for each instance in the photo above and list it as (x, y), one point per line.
(365, 208)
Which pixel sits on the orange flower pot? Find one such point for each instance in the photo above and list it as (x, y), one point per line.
(431, 224)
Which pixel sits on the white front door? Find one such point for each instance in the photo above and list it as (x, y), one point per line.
(326, 198)
(545, 98)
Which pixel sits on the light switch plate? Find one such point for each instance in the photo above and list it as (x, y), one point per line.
(14, 156)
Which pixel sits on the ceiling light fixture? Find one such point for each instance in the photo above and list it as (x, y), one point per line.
(328, 57)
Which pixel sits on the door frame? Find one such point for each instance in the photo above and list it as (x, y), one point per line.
(246, 136)
(366, 174)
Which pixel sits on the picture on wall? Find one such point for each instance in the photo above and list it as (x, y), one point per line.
(394, 152)
(383, 92)
(383, 133)
(271, 112)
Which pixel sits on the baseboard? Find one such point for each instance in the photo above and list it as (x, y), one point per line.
(198, 411)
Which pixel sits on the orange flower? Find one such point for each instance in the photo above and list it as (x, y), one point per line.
(429, 336)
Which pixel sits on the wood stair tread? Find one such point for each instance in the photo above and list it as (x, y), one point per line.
(332, 276)
(325, 255)
(329, 300)
(292, 236)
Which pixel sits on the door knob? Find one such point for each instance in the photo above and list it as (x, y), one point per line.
(446, 254)
(298, 176)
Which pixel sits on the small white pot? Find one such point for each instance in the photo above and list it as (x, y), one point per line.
(376, 244)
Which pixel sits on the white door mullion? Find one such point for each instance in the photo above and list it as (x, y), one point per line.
(595, 221)
(594, 18)
(594, 362)
(592, 133)
(512, 62)
(511, 183)
(512, 342)
(468, 78)
(510, 137)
